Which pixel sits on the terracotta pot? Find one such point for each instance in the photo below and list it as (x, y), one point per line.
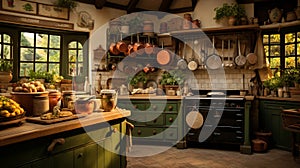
(5, 77)
(275, 15)
(231, 21)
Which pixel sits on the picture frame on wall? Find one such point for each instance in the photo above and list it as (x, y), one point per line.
(35, 8)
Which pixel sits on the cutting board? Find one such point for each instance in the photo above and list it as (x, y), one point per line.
(38, 120)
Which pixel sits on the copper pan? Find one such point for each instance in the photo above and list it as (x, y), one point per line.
(122, 46)
(138, 47)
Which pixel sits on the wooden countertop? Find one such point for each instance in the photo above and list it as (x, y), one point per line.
(294, 99)
(149, 96)
(29, 131)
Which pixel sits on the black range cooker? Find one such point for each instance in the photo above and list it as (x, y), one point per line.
(215, 119)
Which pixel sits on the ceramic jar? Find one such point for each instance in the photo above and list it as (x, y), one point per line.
(291, 16)
(275, 15)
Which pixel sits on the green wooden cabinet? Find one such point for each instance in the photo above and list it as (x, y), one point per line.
(155, 120)
(270, 120)
(97, 146)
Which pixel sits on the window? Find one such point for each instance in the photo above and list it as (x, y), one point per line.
(282, 48)
(6, 47)
(40, 49)
(39, 52)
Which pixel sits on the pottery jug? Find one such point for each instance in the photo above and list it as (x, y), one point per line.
(275, 15)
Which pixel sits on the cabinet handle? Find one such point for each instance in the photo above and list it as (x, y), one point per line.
(139, 132)
(154, 121)
(154, 107)
(135, 106)
(54, 142)
(171, 119)
(154, 132)
(170, 107)
(80, 155)
(115, 130)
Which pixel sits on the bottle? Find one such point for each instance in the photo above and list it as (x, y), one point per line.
(86, 85)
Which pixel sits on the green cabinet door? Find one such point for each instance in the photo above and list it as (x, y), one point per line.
(86, 156)
(270, 120)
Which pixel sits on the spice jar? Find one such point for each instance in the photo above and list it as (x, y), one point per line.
(40, 105)
(66, 97)
(187, 21)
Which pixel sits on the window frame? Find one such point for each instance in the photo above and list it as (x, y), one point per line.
(283, 31)
(66, 36)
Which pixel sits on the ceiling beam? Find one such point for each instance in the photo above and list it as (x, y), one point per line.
(99, 3)
(132, 5)
(165, 5)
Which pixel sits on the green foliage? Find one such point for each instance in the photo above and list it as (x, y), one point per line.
(5, 65)
(229, 10)
(290, 76)
(139, 77)
(274, 83)
(70, 4)
(50, 77)
(172, 78)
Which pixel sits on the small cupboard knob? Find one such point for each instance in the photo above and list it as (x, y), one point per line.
(171, 119)
(154, 132)
(170, 107)
(154, 107)
(139, 132)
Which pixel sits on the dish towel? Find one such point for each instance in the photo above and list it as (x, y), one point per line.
(129, 128)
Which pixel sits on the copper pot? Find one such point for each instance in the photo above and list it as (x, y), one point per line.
(113, 49)
(138, 48)
(148, 48)
(122, 46)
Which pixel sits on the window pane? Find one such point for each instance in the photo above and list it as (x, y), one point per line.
(274, 62)
(298, 62)
(79, 45)
(41, 67)
(290, 38)
(267, 50)
(275, 38)
(27, 39)
(298, 36)
(72, 57)
(54, 55)
(54, 41)
(80, 56)
(290, 49)
(72, 69)
(80, 69)
(41, 40)
(54, 67)
(26, 54)
(265, 39)
(7, 52)
(290, 62)
(72, 44)
(0, 49)
(6, 38)
(298, 48)
(25, 68)
(275, 50)
(41, 55)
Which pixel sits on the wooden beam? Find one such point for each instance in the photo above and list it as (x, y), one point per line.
(99, 3)
(165, 5)
(132, 5)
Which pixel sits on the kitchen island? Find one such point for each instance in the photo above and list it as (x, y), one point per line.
(96, 140)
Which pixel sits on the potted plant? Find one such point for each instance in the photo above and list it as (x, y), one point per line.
(171, 81)
(70, 4)
(138, 80)
(5, 71)
(233, 13)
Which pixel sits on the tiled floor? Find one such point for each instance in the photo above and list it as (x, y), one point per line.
(210, 158)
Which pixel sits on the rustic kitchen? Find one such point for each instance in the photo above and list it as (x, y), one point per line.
(143, 83)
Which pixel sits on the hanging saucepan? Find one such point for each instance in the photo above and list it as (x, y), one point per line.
(113, 48)
(181, 63)
(148, 47)
(240, 60)
(193, 65)
(138, 47)
(251, 58)
(122, 46)
(130, 50)
(213, 61)
(163, 57)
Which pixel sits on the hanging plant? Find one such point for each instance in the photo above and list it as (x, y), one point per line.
(70, 4)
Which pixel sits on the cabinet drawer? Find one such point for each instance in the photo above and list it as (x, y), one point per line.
(171, 107)
(155, 119)
(137, 118)
(170, 119)
(153, 133)
(170, 134)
